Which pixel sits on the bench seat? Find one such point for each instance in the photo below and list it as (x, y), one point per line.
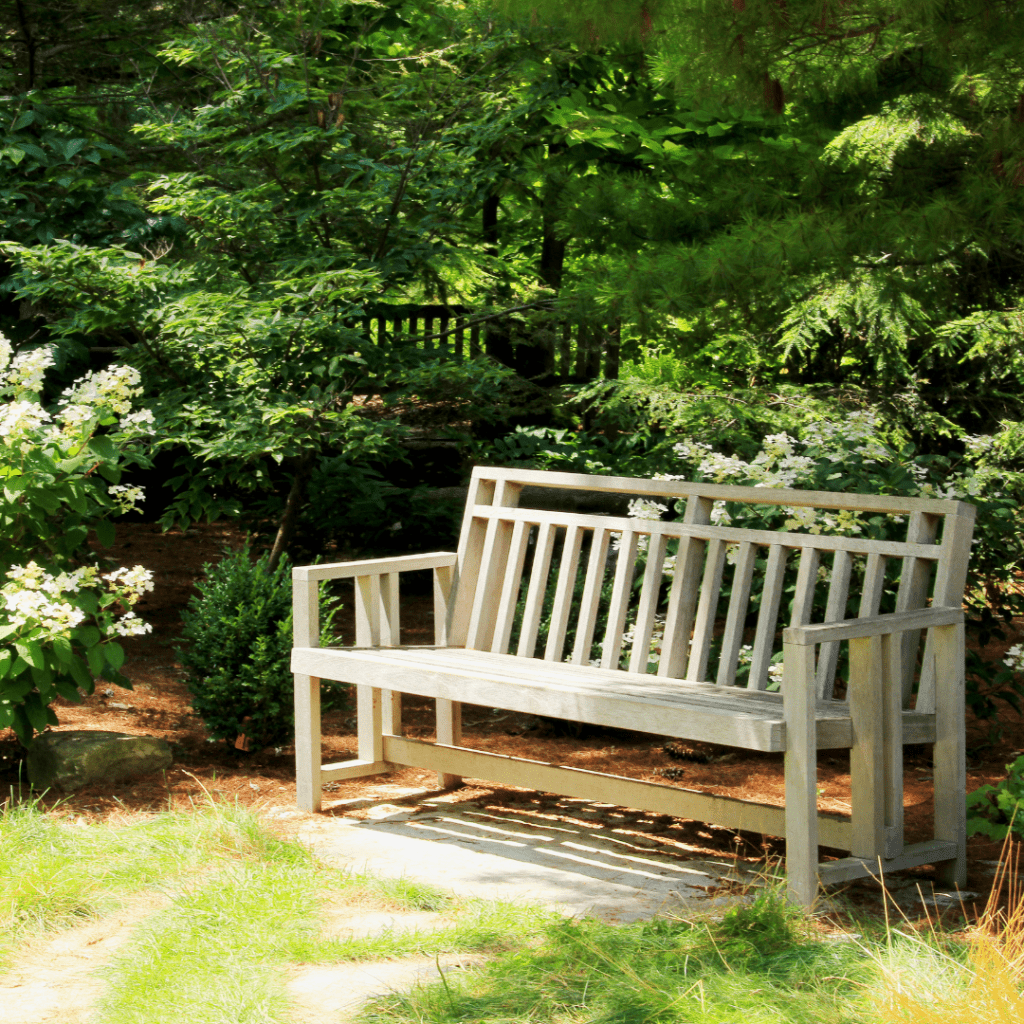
(732, 716)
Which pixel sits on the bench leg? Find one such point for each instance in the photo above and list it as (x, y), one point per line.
(801, 775)
(449, 732)
(307, 743)
(950, 752)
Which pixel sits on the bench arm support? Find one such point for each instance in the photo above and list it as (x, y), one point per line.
(376, 596)
(875, 625)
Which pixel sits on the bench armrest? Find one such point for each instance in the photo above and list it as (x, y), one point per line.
(373, 566)
(376, 596)
(875, 625)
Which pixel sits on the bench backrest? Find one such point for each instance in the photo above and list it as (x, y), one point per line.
(526, 572)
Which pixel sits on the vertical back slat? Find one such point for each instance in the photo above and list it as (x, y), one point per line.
(591, 596)
(682, 598)
(704, 624)
(563, 593)
(950, 580)
(732, 638)
(367, 596)
(510, 588)
(835, 611)
(620, 599)
(640, 656)
(874, 583)
(536, 590)
(913, 593)
(806, 580)
(768, 616)
(489, 584)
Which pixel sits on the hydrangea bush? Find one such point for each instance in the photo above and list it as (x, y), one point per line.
(60, 615)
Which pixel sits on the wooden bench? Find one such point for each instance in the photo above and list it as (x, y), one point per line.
(518, 569)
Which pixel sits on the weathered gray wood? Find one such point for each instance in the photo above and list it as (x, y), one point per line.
(704, 624)
(490, 579)
(643, 627)
(654, 797)
(591, 599)
(835, 611)
(476, 596)
(913, 593)
(536, 590)
(706, 532)
(510, 587)
(894, 622)
(801, 775)
(949, 753)
(768, 617)
(682, 596)
(868, 675)
(725, 492)
(372, 566)
(619, 604)
(732, 638)
(930, 852)
(567, 569)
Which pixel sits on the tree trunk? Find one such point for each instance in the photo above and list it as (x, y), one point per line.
(290, 517)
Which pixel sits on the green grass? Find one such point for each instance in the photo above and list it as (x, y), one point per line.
(240, 906)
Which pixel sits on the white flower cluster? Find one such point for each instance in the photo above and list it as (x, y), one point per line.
(20, 418)
(1015, 658)
(127, 499)
(657, 636)
(111, 389)
(28, 368)
(774, 466)
(843, 521)
(132, 583)
(131, 625)
(33, 597)
(641, 508)
(137, 422)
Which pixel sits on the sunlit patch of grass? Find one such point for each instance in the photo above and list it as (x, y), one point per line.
(973, 978)
(56, 869)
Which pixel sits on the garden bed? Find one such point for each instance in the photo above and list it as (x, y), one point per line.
(159, 706)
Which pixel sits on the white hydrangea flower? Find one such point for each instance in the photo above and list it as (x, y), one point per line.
(641, 508)
(28, 369)
(131, 625)
(978, 445)
(137, 422)
(19, 418)
(5, 352)
(126, 498)
(1015, 658)
(112, 389)
(137, 580)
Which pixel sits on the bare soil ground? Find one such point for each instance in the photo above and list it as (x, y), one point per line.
(159, 706)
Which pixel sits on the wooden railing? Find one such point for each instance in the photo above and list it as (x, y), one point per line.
(577, 351)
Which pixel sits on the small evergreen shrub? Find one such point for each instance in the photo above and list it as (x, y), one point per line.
(238, 640)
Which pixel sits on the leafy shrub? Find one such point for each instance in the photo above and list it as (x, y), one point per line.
(994, 811)
(60, 469)
(238, 633)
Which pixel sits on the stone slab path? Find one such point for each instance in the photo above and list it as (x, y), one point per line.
(573, 859)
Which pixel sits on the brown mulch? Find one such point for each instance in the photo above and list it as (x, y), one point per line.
(159, 706)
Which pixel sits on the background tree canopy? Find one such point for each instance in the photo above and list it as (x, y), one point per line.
(768, 205)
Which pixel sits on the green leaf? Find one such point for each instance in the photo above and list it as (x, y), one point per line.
(80, 673)
(62, 649)
(24, 120)
(88, 636)
(102, 446)
(96, 660)
(115, 655)
(31, 652)
(106, 532)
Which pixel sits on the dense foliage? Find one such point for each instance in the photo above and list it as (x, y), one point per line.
(237, 650)
(60, 472)
(787, 214)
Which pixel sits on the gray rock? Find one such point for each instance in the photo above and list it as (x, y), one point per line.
(72, 759)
